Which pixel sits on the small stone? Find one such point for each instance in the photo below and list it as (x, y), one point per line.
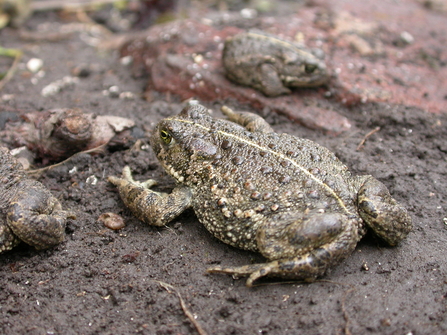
(407, 37)
(81, 70)
(59, 85)
(112, 221)
(34, 65)
(114, 91)
(249, 13)
(91, 180)
(127, 95)
(365, 266)
(126, 60)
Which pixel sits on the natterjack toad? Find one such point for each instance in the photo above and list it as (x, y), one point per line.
(286, 197)
(28, 211)
(270, 64)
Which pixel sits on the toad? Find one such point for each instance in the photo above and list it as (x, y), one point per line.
(285, 197)
(272, 65)
(28, 210)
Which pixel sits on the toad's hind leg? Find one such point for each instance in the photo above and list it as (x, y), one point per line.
(306, 268)
(302, 249)
(389, 220)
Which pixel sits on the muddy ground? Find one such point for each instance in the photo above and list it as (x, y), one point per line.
(101, 281)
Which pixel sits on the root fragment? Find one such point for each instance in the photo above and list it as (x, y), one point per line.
(189, 315)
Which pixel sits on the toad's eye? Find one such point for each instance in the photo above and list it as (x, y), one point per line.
(165, 136)
(310, 68)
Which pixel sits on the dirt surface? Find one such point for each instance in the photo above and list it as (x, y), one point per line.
(101, 281)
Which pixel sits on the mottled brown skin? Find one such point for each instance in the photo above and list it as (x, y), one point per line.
(28, 211)
(270, 64)
(286, 197)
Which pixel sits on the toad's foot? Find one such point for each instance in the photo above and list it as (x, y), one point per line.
(154, 208)
(305, 268)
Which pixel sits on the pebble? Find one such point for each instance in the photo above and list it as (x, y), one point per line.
(81, 70)
(127, 95)
(112, 220)
(34, 65)
(112, 91)
(406, 37)
(59, 85)
(126, 60)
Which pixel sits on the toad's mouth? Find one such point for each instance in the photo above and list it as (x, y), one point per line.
(176, 174)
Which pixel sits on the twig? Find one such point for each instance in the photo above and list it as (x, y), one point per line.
(45, 5)
(375, 130)
(345, 312)
(36, 36)
(188, 314)
(299, 282)
(17, 54)
(41, 170)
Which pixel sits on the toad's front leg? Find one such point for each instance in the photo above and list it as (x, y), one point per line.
(154, 208)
